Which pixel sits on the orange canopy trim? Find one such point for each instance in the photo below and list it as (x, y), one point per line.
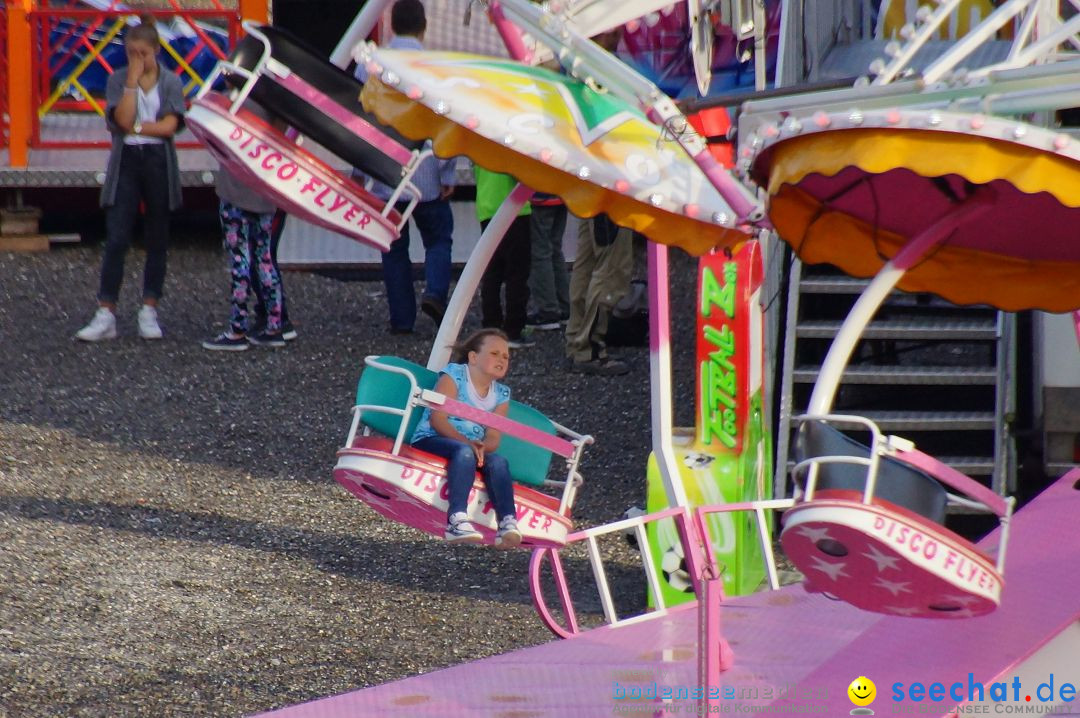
(926, 153)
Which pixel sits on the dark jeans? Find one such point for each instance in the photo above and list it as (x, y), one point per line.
(549, 282)
(462, 468)
(143, 178)
(510, 266)
(436, 224)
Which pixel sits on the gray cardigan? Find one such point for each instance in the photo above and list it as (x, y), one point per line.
(172, 102)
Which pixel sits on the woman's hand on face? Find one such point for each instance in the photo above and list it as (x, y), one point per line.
(136, 64)
(478, 449)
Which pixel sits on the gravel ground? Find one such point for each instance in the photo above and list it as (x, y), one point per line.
(172, 542)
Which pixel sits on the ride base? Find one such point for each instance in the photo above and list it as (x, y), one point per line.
(791, 649)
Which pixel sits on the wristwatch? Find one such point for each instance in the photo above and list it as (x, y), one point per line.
(137, 127)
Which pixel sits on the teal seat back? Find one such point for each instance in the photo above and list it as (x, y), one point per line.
(384, 388)
(528, 462)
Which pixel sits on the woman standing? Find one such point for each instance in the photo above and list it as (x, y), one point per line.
(144, 110)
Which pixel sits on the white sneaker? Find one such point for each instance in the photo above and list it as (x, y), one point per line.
(508, 535)
(459, 530)
(148, 324)
(102, 326)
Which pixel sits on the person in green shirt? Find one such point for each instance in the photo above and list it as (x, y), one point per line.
(509, 264)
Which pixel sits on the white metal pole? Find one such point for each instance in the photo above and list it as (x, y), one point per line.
(660, 375)
(470, 277)
(362, 25)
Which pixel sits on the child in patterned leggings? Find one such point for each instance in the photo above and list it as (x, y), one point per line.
(246, 221)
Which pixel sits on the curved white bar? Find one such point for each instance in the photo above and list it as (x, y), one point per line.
(872, 297)
(470, 278)
(362, 26)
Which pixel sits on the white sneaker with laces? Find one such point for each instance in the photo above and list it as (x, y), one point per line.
(148, 323)
(459, 530)
(508, 535)
(102, 326)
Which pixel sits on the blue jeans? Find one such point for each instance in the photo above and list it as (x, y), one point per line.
(461, 469)
(436, 224)
(143, 178)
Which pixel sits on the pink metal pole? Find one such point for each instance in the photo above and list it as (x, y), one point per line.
(510, 34)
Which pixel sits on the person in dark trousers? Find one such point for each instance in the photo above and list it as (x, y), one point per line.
(509, 265)
(435, 180)
(144, 109)
(549, 282)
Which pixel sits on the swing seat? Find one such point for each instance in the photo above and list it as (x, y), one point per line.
(408, 485)
(293, 178)
(887, 549)
(282, 73)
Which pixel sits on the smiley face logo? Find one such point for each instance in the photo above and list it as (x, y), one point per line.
(862, 691)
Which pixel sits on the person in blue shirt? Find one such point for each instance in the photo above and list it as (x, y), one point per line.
(435, 180)
(473, 377)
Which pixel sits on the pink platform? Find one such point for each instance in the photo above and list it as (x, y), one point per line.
(788, 640)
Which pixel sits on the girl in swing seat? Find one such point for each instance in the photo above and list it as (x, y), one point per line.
(472, 377)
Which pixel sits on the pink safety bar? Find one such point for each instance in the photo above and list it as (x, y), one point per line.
(951, 477)
(1076, 323)
(563, 589)
(500, 423)
(339, 114)
(561, 586)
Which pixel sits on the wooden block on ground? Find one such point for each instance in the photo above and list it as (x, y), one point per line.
(23, 221)
(27, 243)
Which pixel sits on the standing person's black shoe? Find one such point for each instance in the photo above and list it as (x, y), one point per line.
(434, 308)
(542, 321)
(601, 367)
(262, 339)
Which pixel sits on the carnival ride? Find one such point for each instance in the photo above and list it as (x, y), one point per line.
(927, 177)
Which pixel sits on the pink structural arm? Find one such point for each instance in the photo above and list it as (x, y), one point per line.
(953, 478)
(500, 423)
(511, 35)
(360, 127)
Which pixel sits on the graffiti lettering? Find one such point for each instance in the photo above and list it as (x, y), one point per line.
(718, 380)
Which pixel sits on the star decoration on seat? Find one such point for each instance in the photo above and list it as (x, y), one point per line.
(832, 570)
(814, 534)
(882, 560)
(893, 587)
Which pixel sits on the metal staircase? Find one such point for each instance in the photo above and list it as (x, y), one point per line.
(927, 370)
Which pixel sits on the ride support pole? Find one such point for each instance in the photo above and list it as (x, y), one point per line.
(20, 95)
